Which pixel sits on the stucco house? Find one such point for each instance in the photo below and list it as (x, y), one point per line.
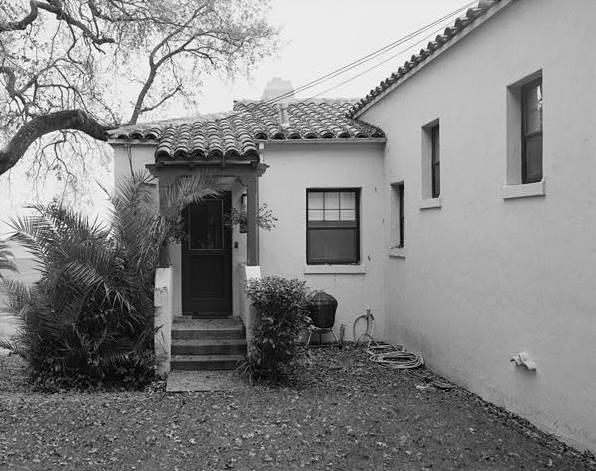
(455, 200)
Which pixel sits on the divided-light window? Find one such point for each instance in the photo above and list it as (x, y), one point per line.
(333, 226)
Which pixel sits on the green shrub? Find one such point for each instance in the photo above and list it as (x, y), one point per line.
(281, 322)
(89, 320)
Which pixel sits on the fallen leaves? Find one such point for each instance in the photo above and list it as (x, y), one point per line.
(342, 413)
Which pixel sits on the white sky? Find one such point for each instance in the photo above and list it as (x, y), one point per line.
(320, 36)
(317, 37)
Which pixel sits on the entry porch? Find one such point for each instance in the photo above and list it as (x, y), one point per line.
(201, 283)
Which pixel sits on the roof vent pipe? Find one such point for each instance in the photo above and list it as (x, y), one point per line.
(284, 117)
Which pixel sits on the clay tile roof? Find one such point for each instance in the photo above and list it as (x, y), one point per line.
(460, 25)
(236, 135)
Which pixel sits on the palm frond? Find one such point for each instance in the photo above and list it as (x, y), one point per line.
(18, 295)
(15, 347)
(6, 258)
(192, 189)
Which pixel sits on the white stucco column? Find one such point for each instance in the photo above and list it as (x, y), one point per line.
(252, 227)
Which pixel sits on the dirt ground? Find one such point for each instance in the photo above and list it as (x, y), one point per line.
(342, 413)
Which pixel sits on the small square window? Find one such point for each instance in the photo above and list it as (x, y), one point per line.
(332, 226)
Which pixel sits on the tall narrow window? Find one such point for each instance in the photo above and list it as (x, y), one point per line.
(398, 240)
(400, 195)
(332, 226)
(435, 161)
(532, 132)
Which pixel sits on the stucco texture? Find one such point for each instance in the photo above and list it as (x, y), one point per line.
(483, 277)
(293, 169)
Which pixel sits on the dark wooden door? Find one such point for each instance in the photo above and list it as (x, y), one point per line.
(207, 259)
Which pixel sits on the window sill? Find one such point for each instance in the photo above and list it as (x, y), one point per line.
(397, 252)
(335, 269)
(429, 203)
(523, 191)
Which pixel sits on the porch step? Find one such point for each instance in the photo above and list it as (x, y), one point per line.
(206, 329)
(209, 347)
(205, 362)
(207, 344)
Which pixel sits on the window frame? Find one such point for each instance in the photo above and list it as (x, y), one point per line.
(357, 195)
(435, 160)
(399, 189)
(525, 135)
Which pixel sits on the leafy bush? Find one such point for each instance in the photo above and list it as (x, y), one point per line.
(89, 320)
(281, 322)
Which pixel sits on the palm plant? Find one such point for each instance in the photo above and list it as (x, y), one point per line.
(6, 261)
(90, 316)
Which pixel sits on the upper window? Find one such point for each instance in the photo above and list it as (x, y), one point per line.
(532, 132)
(333, 226)
(431, 166)
(435, 161)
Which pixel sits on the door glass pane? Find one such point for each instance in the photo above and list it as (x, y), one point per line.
(315, 200)
(205, 225)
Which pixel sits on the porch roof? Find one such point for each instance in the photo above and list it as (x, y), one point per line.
(236, 134)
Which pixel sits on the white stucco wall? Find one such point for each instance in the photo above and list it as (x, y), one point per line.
(483, 277)
(293, 169)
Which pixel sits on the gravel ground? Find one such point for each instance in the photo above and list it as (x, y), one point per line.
(341, 413)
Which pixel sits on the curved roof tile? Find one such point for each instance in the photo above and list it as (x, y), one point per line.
(236, 135)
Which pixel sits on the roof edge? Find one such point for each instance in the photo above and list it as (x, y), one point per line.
(493, 10)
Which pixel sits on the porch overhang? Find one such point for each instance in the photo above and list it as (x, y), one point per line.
(247, 172)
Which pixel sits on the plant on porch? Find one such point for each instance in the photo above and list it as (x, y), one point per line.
(265, 218)
(281, 322)
(89, 319)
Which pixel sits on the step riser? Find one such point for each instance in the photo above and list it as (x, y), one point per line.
(210, 334)
(208, 349)
(204, 365)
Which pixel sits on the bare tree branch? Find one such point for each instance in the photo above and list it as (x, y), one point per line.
(62, 63)
(42, 125)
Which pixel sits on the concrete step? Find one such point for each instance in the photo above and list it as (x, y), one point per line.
(205, 362)
(209, 347)
(207, 315)
(184, 328)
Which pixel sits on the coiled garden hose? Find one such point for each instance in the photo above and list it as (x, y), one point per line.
(370, 327)
(386, 354)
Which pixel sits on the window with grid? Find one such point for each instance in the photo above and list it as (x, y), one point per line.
(532, 132)
(333, 226)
